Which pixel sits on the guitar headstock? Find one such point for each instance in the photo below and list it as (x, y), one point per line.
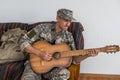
(111, 49)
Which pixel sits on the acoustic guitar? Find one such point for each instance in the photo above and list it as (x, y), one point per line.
(62, 55)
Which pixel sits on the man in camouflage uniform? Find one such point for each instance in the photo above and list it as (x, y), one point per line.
(54, 34)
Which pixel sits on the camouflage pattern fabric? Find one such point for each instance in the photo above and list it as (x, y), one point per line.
(55, 74)
(65, 14)
(9, 50)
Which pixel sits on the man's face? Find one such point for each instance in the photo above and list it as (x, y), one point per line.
(63, 24)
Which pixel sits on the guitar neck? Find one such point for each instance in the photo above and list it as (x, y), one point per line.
(79, 52)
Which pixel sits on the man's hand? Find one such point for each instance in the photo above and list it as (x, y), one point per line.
(93, 52)
(42, 54)
(45, 55)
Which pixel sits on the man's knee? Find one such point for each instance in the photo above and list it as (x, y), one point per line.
(64, 74)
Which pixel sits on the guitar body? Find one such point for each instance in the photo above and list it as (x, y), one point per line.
(41, 66)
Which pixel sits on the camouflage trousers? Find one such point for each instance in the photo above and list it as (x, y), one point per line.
(55, 74)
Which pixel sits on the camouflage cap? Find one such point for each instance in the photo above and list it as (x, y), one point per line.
(65, 14)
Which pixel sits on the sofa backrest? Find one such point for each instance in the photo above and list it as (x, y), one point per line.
(75, 28)
(6, 26)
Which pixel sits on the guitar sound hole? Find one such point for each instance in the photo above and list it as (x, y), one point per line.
(56, 55)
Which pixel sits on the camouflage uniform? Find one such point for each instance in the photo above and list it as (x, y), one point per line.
(46, 31)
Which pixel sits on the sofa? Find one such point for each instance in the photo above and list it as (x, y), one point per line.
(14, 70)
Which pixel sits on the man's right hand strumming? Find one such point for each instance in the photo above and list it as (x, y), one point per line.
(42, 54)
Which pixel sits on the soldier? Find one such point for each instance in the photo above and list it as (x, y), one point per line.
(53, 33)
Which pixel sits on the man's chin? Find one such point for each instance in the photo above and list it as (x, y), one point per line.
(65, 29)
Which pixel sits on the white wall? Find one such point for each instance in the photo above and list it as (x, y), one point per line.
(100, 19)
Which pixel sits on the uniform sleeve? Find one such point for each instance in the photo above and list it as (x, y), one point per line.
(30, 37)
